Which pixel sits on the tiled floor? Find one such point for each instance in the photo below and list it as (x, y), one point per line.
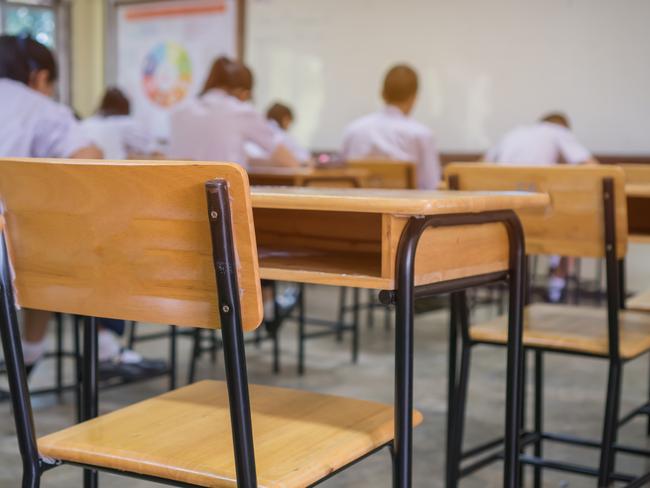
(574, 400)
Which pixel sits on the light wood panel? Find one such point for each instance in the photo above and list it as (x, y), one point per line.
(387, 174)
(636, 174)
(394, 202)
(572, 225)
(126, 240)
(185, 435)
(639, 302)
(571, 328)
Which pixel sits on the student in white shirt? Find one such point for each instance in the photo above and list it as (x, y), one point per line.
(280, 118)
(545, 143)
(34, 125)
(392, 134)
(217, 125)
(113, 129)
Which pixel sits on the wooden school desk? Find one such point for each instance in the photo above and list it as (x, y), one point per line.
(368, 238)
(322, 177)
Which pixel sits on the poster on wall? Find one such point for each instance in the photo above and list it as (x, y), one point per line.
(165, 50)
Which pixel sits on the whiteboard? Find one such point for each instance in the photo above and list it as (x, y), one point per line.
(485, 66)
(165, 50)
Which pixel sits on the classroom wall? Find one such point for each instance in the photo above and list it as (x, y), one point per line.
(87, 36)
(485, 65)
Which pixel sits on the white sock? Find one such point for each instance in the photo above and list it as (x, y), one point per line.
(555, 287)
(109, 345)
(33, 351)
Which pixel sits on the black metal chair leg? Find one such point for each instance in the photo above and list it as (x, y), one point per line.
(196, 351)
(173, 356)
(522, 411)
(648, 426)
(59, 356)
(355, 327)
(372, 302)
(451, 473)
(78, 367)
(343, 298)
(301, 330)
(610, 424)
(132, 333)
(89, 387)
(460, 409)
(15, 366)
(539, 415)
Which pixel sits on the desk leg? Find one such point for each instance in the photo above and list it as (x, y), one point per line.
(451, 462)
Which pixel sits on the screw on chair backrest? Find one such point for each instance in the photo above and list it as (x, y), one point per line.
(573, 224)
(125, 240)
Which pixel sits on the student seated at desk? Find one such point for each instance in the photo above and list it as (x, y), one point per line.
(32, 124)
(392, 134)
(217, 125)
(545, 143)
(280, 118)
(113, 129)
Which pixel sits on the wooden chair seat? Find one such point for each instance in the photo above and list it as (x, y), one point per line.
(571, 328)
(639, 302)
(185, 436)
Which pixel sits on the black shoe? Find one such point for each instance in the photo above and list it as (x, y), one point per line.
(131, 366)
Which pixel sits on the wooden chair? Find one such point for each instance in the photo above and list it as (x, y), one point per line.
(137, 241)
(586, 218)
(387, 174)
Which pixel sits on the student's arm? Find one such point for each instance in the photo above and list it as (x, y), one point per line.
(88, 152)
(59, 135)
(257, 130)
(282, 156)
(572, 151)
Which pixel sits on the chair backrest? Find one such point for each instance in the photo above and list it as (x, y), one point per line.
(387, 174)
(125, 240)
(573, 223)
(636, 173)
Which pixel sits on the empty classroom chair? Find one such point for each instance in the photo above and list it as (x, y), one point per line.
(387, 174)
(586, 218)
(138, 241)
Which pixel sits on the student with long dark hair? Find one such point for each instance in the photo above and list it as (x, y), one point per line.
(217, 125)
(32, 124)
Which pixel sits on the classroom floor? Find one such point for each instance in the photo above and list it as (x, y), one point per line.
(574, 399)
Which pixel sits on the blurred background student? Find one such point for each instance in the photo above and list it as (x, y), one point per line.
(547, 142)
(217, 125)
(113, 129)
(392, 133)
(280, 118)
(32, 124)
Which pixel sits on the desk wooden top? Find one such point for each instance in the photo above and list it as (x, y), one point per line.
(393, 202)
(638, 190)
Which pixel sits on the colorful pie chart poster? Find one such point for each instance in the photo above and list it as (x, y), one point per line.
(164, 52)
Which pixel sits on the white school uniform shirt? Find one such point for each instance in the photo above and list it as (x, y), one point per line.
(390, 134)
(540, 144)
(255, 152)
(118, 135)
(216, 127)
(33, 125)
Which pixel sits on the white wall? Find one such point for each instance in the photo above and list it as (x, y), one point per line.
(485, 65)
